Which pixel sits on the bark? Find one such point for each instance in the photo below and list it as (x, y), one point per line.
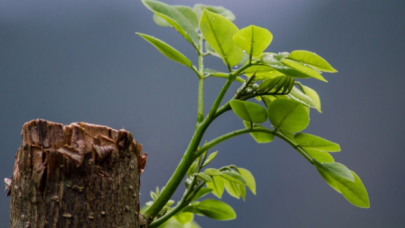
(80, 175)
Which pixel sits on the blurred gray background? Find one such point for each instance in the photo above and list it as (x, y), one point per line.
(70, 61)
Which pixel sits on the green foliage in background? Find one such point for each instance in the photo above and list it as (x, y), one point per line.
(281, 109)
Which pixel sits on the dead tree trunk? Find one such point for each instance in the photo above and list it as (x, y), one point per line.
(80, 175)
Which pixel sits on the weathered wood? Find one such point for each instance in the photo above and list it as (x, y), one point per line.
(76, 176)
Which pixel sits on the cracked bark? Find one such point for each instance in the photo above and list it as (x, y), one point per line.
(80, 175)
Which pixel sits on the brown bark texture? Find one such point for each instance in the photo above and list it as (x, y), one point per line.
(80, 175)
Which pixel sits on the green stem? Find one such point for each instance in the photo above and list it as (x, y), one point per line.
(188, 157)
(229, 135)
(200, 111)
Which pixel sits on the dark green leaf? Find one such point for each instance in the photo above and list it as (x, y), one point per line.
(199, 8)
(250, 180)
(288, 115)
(201, 193)
(175, 19)
(210, 158)
(213, 172)
(312, 59)
(303, 69)
(259, 137)
(218, 32)
(253, 39)
(233, 177)
(167, 50)
(192, 169)
(308, 141)
(249, 111)
(216, 209)
(217, 186)
(335, 170)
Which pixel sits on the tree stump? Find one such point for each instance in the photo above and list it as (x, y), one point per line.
(80, 175)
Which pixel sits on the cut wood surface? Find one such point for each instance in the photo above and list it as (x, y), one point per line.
(79, 175)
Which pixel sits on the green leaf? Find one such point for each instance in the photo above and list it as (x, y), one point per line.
(190, 14)
(249, 111)
(210, 158)
(199, 8)
(218, 32)
(171, 223)
(192, 224)
(354, 192)
(259, 137)
(312, 59)
(303, 69)
(253, 39)
(217, 186)
(335, 170)
(160, 21)
(320, 156)
(313, 95)
(232, 189)
(299, 96)
(233, 177)
(308, 141)
(204, 177)
(175, 18)
(250, 180)
(167, 50)
(288, 115)
(242, 191)
(184, 217)
(201, 193)
(210, 50)
(216, 209)
(329, 180)
(262, 72)
(192, 169)
(213, 172)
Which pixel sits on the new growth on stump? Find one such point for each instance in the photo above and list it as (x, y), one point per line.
(79, 175)
(84, 175)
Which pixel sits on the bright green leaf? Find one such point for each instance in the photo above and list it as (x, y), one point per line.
(201, 193)
(288, 115)
(335, 170)
(210, 50)
(167, 50)
(262, 72)
(320, 156)
(192, 224)
(313, 95)
(213, 172)
(253, 39)
(216, 209)
(308, 141)
(354, 192)
(232, 189)
(250, 180)
(217, 186)
(259, 137)
(312, 59)
(171, 223)
(233, 177)
(175, 18)
(303, 69)
(199, 8)
(249, 111)
(329, 180)
(210, 158)
(160, 21)
(184, 217)
(218, 32)
(299, 96)
(242, 191)
(204, 177)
